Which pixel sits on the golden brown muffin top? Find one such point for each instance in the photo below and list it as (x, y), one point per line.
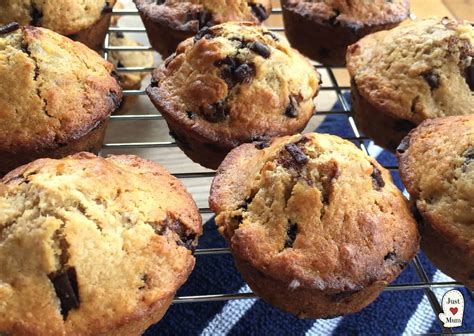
(87, 244)
(437, 168)
(53, 90)
(417, 71)
(352, 13)
(192, 15)
(235, 82)
(64, 16)
(313, 210)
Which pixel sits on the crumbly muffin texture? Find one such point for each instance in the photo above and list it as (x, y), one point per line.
(437, 168)
(236, 82)
(195, 14)
(313, 211)
(89, 245)
(352, 13)
(65, 17)
(417, 71)
(52, 90)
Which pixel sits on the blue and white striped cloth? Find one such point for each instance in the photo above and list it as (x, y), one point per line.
(393, 313)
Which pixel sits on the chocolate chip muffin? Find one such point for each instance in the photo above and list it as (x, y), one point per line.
(230, 84)
(92, 246)
(437, 168)
(85, 21)
(168, 22)
(323, 29)
(317, 228)
(55, 96)
(408, 74)
(129, 59)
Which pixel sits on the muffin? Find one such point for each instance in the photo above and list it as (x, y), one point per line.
(323, 29)
(92, 246)
(230, 84)
(437, 168)
(316, 227)
(408, 74)
(168, 22)
(120, 59)
(55, 96)
(85, 21)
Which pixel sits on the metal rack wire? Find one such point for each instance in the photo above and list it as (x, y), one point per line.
(423, 283)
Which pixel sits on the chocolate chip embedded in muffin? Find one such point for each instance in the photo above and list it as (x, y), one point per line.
(395, 87)
(8, 28)
(316, 238)
(170, 22)
(87, 233)
(438, 173)
(239, 84)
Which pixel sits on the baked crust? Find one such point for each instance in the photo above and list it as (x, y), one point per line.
(219, 90)
(169, 22)
(312, 216)
(414, 72)
(437, 168)
(124, 224)
(53, 92)
(323, 30)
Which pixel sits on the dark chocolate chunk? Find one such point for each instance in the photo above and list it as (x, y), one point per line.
(432, 79)
(298, 155)
(66, 288)
(403, 146)
(190, 114)
(341, 296)
(377, 181)
(291, 110)
(185, 238)
(260, 48)
(215, 112)
(8, 28)
(259, 11)
(205, 32)
(36, 16)
(390, 256)
(468, 158)
(244, 73)
(107, 8)
(291, 232)
(272, 35)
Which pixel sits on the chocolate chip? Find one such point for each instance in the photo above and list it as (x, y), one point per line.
(114, 98)
(205, 32)
(390, 256)
(234, 72)
(244, 73)
(341, 296)
(377, 181)
(260, 48)
(291, 110)
(272, 35)
(468, 158)
(36, 16)
(8, 28)
(432, 79)
(298, 155)
(215, 112)
(403, 146)
(261, 142)
(291, 232)
(107, 8)
(259, 11)
(190, 114)
(184, 237)
(66, 288)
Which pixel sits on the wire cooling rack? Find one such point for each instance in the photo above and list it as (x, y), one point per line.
(198, 179)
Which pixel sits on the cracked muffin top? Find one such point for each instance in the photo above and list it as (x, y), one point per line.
(235, 82)
(313, 209)
(437, 168)
(52, 91)
(192, 15)
(65, 17)
(352, 13)
(417, 71)
(88, 244)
